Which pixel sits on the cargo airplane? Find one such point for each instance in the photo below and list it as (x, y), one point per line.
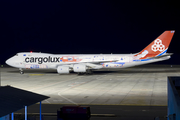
(154, 52)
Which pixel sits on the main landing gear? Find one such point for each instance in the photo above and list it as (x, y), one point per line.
(21, 71)
(88, 72)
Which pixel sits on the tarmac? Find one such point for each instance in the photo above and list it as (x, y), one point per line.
(141, 86)
(132, 93)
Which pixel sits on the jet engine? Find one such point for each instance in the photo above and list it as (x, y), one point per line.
(79, 68)
(63, 69)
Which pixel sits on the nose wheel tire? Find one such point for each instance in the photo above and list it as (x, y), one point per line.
(21, 72)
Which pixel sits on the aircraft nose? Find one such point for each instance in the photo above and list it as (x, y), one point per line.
(9, 62)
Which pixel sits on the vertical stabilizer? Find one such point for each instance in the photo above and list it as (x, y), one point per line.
(158, 47)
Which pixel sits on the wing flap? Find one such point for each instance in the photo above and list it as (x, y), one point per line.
(93, 66)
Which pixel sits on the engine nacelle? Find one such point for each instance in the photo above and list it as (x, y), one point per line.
(79, 68)
(63, 69)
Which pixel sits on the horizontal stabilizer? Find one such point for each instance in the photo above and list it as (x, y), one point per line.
(157, 57)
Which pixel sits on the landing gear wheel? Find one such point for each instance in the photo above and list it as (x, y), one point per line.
(89, 72)
(80, 73)
(21, 72)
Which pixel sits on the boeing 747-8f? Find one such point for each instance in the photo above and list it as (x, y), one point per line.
(154, 52)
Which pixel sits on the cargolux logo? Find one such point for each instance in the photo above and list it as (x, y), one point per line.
(157, 46)
(40, 60)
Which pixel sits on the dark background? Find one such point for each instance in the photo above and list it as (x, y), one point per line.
(86, 26)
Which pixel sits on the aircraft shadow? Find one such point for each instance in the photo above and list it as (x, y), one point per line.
(101, 72)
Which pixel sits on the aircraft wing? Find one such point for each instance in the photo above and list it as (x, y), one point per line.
(100, 61)
(93, 66)
(90, 64)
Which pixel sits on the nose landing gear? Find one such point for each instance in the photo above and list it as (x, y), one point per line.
(21, 71)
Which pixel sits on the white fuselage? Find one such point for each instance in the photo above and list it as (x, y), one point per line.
(96, 61)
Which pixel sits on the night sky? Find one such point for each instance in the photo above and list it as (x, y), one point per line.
(86, 26)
